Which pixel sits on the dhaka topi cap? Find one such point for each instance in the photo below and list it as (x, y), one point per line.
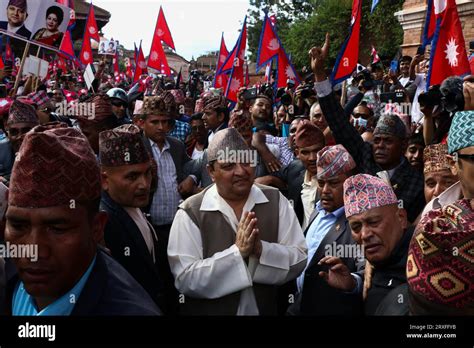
(391, 125)
(122, 146)
(226, 141)
(440, 265)
(21, 112)
(461, 132)
(54, 166)
(363, 192)
(307, 134)
(435, 158)
(333, 161)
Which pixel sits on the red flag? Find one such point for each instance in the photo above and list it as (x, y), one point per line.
(66, 44)
(62, 64)
(2, 65)
(116, 64)
(91, 25)
(269, 47)
(448, 49)
(375, 55)
(220, 80)
(347, 58)
(162, 32)
(286, 70)
(157, 58)
(430, 24)
(128, 64)
(236, 79)
(86, 50)
(140, 69)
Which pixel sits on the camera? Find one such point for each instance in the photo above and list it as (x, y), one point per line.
(366, 76)
(431, 98)
(308, 91)
(392, 97)
(284, 97)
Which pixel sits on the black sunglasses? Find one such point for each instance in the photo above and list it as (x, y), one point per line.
(464, 156)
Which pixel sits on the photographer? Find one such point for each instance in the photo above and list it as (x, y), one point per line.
(437, 106)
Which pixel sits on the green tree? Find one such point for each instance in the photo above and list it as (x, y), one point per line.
(303, 24)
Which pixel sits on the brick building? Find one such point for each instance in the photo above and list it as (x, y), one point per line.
(412, 18)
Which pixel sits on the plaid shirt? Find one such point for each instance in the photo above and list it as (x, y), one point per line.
(407, 183)
(286, 153)
(181, 131)
(166, 198)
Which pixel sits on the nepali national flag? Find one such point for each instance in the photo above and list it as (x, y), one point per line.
(162, 31)
(128, 65)
(157, 58)
(375, 56)
(220, 80)
(285, 70)
(66, 45)
(62, 64)
(236, 78)
(270, 47)
(86, 50)
(140, 68)
(91, 25)
(430, 24)
(347, 58)
(448, 49)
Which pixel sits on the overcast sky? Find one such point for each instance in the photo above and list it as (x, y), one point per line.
(196, 26)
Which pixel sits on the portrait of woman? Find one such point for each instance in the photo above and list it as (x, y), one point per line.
(50, 35)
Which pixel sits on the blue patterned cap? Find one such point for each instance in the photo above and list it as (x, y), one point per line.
(461, 133)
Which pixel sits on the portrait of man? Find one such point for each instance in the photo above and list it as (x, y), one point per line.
(17, 13)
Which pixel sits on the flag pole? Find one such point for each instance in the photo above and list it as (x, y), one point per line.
(20, 70)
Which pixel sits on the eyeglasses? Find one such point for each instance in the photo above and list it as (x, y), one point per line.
(293, 130)
(469, 157)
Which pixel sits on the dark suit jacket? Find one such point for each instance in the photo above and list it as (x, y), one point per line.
(293, 176)
(407, 183)
(120, 233)
(22, 31)
(110, 290)
(317, 297)
(178, 153)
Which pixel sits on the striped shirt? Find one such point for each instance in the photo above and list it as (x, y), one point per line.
(24, 304)
(286, 153)
(166, 198)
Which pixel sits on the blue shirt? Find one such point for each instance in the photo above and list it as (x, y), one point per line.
(318, 229)
(24, 304)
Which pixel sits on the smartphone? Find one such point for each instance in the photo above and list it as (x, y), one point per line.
(250, 93)
(394, 66)
(420, 50)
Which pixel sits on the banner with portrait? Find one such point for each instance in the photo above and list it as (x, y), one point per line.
(107, 47)
(42, 21)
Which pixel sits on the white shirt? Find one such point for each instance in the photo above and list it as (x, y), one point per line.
(308, 197)
(197, 154)
(416, 114)
(448, 196)
(145, 228)
(226, 272)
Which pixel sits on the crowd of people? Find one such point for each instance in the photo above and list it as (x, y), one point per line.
(162, 198)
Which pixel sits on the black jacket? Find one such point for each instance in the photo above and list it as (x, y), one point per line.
(125, 241)
(388, 276)
(293, 176)
(109, 291)
(317, 297)
(407, 183)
